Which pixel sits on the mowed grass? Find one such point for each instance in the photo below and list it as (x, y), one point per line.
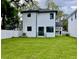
(61, 47)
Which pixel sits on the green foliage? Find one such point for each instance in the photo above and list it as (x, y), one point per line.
(31, 5)
(67, 35)
(9, 14)
(59, 14)
(51, 5)
(65, 24)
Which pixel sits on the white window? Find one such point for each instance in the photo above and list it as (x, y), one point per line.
(51, 15)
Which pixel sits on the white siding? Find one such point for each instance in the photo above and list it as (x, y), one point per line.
(29, 21)
(72, 26)
(43, 19)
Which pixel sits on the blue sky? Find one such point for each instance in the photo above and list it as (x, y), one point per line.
(68, 6)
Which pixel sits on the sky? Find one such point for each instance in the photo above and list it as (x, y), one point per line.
(67, 6)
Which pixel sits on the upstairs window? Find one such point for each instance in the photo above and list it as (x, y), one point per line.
(29, 15)
(51, 15)
(29, 28)
(49, 29)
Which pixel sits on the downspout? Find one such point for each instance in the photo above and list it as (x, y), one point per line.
(36, 24)
(55, 23)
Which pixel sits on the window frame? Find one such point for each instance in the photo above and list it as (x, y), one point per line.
(29, 15)
(51, 16)
(51, 30)
(29, 28)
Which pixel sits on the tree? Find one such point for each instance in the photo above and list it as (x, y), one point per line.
(65, 24)
(52, 6)
(60, 14)
(9, 15)
(30, 5)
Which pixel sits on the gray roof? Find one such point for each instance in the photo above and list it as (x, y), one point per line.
(39, 11)
(72, 13)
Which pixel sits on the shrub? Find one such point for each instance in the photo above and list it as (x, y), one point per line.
(67, 35)
(13, 37)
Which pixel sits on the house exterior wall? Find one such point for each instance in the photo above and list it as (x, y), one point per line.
(72, 26)
(43, 19)
(29, 21)
(37, 20)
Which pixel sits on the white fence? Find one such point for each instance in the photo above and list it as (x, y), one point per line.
(10, 33)
(64, 32)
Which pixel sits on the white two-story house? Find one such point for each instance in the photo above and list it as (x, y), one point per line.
(72, 24)
(39, 23)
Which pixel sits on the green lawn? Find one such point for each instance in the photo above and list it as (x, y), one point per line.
(61, 47)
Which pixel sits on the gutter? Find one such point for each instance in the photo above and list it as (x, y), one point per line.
(36, 24)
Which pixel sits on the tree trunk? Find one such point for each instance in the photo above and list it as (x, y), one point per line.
(3, 25)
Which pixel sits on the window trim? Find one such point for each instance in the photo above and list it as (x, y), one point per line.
(52, 29)
(29, 15)
(51, 16)
(28, 28)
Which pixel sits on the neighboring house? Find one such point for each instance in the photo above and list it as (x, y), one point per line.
(72, 24)
(39, 23)
(58, 27)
